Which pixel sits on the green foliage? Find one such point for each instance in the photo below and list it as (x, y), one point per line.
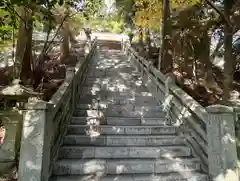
(92, 8)
(77, 22)
(10, 17)
(112, 24)
(7, 22)
(125, 5)
(148, 12)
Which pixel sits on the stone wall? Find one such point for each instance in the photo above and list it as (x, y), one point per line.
(11, 117)
(210, 132)
(45, 124)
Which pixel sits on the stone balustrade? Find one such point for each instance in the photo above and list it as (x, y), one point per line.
(210, 131)
(45, 124)
(11, 117)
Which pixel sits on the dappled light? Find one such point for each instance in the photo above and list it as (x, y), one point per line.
(2, 134)
(183, 111)
(122, 129)
(119, 90)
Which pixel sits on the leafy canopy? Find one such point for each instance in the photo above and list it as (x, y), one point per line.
(149, 12)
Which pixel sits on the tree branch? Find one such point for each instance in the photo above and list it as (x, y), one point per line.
(210, 3)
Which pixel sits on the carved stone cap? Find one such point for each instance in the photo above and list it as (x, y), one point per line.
(36, 104)
(218, 108)
(70, 69)
(170, 77)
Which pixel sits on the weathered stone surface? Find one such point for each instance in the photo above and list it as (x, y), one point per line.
(79, 120)
(132, 140)
(185, 176)
(89, 113)
(130, 166)
(123, 166)
(76, 167)
(222, 143)
(33, 153)
(156, 152)
(132, 112)
(95, 73)
(84, 140)
(181, 176)
(135, 121)
(123, 121)
(115, 140)
(104, 129)
(12, 121)
(154, 121)
(111, 152)
(86, 120)
(94, 178)
(144, 140)
(125, 116)
(129, 130)
(123, 152)
(76, 152)
(177, 165)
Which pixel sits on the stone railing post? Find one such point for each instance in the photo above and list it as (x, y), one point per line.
(222, 152)
(35, 144)
(70, 72)
(122, 44)
(125, 44)
(12, 122)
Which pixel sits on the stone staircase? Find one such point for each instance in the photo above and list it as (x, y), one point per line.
(119, 132)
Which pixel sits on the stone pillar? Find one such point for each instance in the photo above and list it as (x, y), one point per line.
(70, 72)
(87, 48)
(222, 152)
(12, 121)
(35, 144)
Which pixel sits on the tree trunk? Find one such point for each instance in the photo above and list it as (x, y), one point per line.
(72, 37)
(211, 83)
(141, 36)
(188, 59)
(148, 41)
(26, 70)
(229, 60)
(65, 43)
(21, 41)
(165, 57)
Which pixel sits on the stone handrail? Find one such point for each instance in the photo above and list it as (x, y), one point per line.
(45, 124)
(210, 132)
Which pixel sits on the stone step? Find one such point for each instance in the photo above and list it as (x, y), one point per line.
(110, 82)
(113, 75)
(112, 92)
(139, 100)
(125, 130)
(117, 121)
(124, 166)
(124, 152)
(120, 112)
(182, 176)
(119, 68)
(132, 107)
(123, 140)
(89, 113)
(131, 111)
(115, 87)
(93, 71)
(103, 105)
